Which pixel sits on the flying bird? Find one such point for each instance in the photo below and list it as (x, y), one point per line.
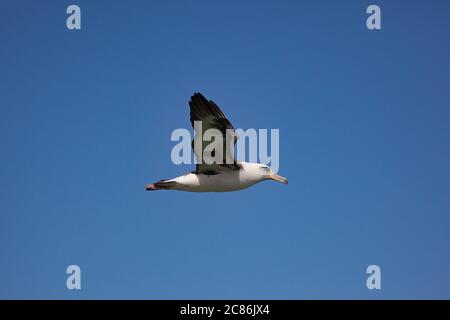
(216, 177)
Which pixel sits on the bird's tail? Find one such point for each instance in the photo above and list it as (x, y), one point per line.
(161, 185)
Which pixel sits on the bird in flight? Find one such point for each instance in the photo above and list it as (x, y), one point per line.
(218, 176)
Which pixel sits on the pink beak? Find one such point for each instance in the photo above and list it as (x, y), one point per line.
(277, 177)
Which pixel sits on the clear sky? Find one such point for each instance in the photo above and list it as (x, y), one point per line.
(86, 119)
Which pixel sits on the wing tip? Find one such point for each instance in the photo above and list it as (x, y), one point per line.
(198, 95)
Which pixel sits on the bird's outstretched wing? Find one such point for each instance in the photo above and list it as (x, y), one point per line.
(211, 117)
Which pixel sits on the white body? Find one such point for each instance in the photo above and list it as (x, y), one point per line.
(227, 180)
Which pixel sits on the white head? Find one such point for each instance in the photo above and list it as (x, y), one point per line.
(260, 172)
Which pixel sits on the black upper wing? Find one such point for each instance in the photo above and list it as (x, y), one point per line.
(211, 117)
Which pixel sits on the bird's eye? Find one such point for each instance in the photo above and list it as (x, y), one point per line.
(265, 169)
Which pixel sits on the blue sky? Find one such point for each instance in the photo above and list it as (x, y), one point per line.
(86, 118)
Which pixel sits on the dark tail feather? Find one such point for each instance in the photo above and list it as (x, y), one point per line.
(161, 185)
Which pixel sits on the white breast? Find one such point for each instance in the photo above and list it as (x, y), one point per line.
(224, 181)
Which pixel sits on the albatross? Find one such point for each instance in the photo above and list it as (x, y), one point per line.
(215, 177)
